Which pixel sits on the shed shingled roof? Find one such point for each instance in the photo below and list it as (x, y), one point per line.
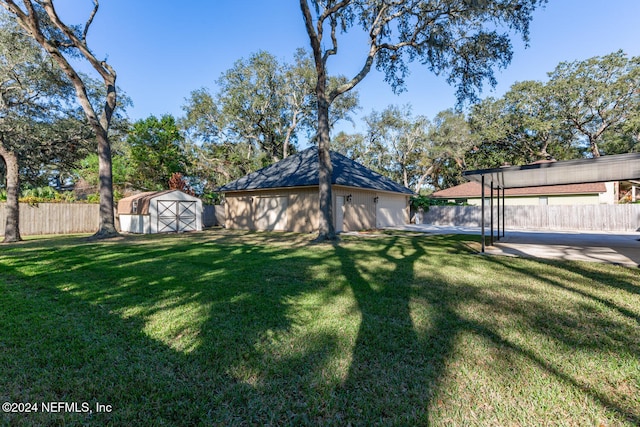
(142, 201)
(472, 189)
(301, 170)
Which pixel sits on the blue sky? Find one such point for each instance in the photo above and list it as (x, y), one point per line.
(162, 50)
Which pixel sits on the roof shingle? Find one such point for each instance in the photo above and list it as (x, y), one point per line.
(301, 170)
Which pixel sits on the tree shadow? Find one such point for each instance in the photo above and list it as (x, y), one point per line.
(264, 328)
(610, 336)
(103, 312)
(395, 371)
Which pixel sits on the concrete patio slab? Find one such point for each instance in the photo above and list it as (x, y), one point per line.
(614, 248)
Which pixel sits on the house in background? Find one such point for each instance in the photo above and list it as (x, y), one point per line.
(284, 197)
(573, 194)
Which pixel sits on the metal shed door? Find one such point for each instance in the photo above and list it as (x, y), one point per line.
(174, 215)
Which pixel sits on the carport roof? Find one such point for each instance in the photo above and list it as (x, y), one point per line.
(620, 167)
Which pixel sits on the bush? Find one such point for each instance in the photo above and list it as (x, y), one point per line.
(211, 198)
(93, 198)
(37, 195)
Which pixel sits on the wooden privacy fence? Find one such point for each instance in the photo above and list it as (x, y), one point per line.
(576, 217)
(69, 218)
(55, 218)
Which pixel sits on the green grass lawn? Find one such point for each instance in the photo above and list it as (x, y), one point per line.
(234, 328)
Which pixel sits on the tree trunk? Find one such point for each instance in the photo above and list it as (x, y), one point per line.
(326, 230)
(405, 175)
(107, 219)
(12, 225)
(30, 21)
(287, 138)
(422, 179)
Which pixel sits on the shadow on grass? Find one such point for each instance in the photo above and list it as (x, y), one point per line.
(612, 334)
(393, 374)
(159, 328)
(261, 328)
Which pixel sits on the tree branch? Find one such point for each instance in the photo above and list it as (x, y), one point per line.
(106, 72)
(313, 35)
(89, 21)
(334, 41)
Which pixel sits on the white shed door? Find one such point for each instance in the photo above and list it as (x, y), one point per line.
(175, 215)
(390, 211)
(271, 213)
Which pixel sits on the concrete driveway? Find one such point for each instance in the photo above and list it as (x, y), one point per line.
(615, 248)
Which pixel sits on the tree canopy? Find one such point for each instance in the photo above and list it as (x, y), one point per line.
(156, 151)
(263, 107)
(558, 119)
(597, 98)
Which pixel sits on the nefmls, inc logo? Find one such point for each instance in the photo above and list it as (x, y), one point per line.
(66, 407)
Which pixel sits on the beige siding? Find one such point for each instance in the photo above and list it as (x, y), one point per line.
(360, 211)
(241, 209)
(303, 210)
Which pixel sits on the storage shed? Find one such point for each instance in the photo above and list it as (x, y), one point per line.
(284, 197)
(160, 212)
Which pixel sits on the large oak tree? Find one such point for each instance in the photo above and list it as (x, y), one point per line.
(40, 19)
(157, 151)
(457, 38)
(597, 96)
(40, 129)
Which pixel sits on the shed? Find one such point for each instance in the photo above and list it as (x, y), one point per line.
(284, 196)
(160, 212)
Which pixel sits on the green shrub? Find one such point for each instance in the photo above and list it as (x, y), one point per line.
(46, 195)
(93, 198)
(211, 198)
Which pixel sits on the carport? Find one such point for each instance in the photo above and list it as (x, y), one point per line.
(621, 167)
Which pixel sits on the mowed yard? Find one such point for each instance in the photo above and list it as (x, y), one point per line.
(237, 328)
